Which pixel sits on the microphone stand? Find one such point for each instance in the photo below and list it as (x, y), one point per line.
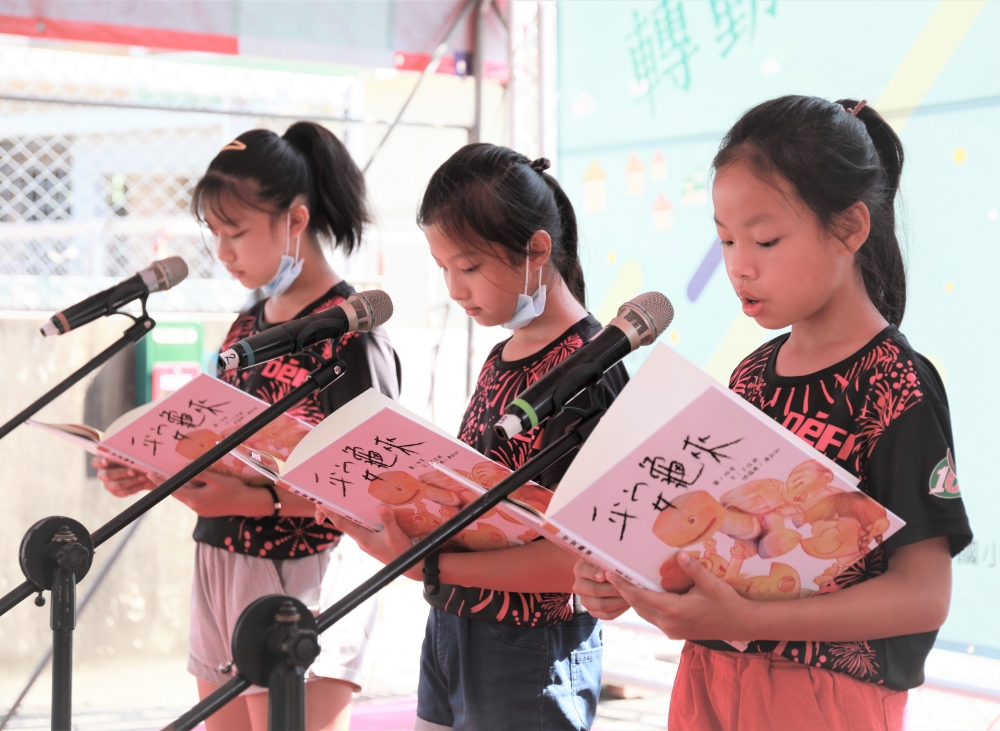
(260, 667)
(57, 552)
(141, 325)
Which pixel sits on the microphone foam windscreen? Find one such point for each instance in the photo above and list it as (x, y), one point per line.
(379, 304)
(654, 309)
(169, 272)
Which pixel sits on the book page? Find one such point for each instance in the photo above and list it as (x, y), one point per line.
(762, 510)
(82, 436)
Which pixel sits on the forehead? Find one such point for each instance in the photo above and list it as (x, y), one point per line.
(445, 247)
(744, 197)
(224, 209)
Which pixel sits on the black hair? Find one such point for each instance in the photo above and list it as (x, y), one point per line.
(490, 195)
(833, 159)
(267, 172)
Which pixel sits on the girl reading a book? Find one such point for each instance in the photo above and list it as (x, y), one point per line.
(804, 196)
(270, 202)
(505, 646)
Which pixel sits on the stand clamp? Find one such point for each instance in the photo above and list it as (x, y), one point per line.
(274, 642)
(55, 554)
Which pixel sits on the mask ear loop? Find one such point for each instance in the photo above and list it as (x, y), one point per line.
(288, 236)
(527, 268)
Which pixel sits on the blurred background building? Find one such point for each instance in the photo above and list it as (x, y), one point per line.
(111, 110)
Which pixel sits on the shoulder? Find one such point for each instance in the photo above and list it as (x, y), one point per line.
(752, 367)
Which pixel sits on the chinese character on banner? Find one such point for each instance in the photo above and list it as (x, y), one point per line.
(661, 48)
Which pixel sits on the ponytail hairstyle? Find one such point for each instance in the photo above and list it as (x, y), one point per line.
(267, 172)
(834, 154)
(491, 196)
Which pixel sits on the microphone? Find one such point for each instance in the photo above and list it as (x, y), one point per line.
(640, 321)
(157, 277)
(362, 312)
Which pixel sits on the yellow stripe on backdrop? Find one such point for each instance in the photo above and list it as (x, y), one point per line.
(627, 285)
(914, 77)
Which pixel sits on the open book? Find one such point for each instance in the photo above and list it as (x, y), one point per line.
(372, 451)
(162, 437)
(680, 463)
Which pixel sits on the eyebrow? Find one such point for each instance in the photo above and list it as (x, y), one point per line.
(753, 221)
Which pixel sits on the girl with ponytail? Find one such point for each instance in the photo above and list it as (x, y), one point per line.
(271, 203)
(804, 196)
(506, 647)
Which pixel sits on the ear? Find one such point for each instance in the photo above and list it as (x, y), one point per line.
(300, 220)
(540, 249)
(853, 226)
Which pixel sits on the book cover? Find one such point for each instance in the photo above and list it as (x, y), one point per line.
(162, 437)
(704, 472)
(372, 451)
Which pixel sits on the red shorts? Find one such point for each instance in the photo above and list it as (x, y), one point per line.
(731, 691)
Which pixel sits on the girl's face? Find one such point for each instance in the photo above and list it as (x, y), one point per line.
(784, 265)
(250, 244)
(482, 283)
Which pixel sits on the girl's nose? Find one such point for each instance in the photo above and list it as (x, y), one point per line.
(738, 262)
(224, 250)
(457, 290)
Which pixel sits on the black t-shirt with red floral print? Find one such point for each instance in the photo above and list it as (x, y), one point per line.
(499, 383)
(882, 414)
(371, 362)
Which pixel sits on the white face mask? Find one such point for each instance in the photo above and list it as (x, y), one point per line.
(288, 269)
(528, 307)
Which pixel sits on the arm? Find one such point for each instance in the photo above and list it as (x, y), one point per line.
(912, 596)
(540, 566)
(211, 495)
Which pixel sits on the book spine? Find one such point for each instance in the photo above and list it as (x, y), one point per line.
(586, 552)
(330, 506)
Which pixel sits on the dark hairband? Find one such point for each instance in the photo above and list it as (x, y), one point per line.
(540, 165)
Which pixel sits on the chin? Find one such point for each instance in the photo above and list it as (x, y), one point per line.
(771, 322)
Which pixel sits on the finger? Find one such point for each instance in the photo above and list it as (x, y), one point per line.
(586, 587)
(693, 568)
(604, 608)
(640, 597)
(588, 571)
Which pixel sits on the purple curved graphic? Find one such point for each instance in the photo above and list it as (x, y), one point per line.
(705, 270)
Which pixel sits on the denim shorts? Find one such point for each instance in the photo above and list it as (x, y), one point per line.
(486, 676)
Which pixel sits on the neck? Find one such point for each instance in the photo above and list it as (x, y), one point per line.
(835, 332)
(315, 280)
(562, 311)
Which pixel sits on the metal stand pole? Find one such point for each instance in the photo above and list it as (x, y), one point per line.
(81, 607)
(134, 334)
(55, 553)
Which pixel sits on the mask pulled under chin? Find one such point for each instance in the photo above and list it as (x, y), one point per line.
(528, 307)
(288, 270)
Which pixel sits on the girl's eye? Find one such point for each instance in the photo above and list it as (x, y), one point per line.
(726, 243)
(470, 270)
(767, 244)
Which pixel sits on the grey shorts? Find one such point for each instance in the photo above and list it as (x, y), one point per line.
(225, 583)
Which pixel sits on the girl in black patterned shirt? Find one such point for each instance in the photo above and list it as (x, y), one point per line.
(804, 199)
(506, 648)
(269, 201)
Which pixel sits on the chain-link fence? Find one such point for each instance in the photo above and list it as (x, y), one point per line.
(99, 155)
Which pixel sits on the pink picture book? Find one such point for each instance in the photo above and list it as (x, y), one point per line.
(162, 437)
(680, 463)
(372, 451)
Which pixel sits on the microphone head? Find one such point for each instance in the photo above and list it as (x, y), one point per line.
(166, 273)
(649, 313)
(373, 308)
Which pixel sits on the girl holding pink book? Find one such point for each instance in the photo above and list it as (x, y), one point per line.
(804, 196)
(506, 646)
(271, 202)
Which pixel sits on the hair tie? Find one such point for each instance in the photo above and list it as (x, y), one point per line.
(540, 165)
(857, 108)
(236, 145)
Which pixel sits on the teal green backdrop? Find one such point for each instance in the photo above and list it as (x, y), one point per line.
(647, 89)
